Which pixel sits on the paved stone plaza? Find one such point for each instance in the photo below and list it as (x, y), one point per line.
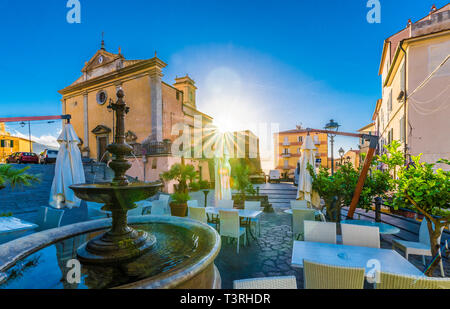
(269, 255)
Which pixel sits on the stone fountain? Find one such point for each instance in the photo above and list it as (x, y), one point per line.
(121, 242)
(135, 252)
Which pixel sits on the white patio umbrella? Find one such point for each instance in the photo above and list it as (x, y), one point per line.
(304, 189)
(222, 173)
(68, 170)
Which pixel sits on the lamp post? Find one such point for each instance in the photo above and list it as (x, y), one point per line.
(332, 126)
(341, 153)
(22, 124)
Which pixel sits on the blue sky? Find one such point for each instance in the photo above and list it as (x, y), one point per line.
(288, 62)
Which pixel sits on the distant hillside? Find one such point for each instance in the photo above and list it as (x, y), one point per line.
(38, 148)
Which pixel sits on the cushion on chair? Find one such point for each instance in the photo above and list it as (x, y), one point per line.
(413, 247)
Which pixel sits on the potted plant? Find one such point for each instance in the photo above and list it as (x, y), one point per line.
(183, 174)
(241, 183)
(178, 205)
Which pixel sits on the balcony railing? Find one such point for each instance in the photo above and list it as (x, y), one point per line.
(153, 148)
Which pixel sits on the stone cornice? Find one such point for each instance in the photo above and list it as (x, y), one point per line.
(153, 63)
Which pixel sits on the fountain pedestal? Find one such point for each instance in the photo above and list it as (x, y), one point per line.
(121, 242)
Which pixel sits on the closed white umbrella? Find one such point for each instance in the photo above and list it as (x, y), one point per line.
(222, 173)
(68, 170)
(304, 189)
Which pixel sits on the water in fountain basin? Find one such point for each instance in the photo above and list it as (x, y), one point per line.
(47, 268)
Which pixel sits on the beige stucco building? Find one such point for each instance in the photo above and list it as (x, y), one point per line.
(415, 76)
(10, 144)
(288, 149)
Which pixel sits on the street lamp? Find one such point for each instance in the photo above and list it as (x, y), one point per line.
(341, 153)
(332, 126)
(22, 124)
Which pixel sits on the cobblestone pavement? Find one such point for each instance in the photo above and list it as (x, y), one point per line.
(268, 255)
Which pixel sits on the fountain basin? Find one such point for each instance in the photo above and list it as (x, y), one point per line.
(183, 258)
(116, 197)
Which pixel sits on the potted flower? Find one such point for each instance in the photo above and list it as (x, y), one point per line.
(183, 174)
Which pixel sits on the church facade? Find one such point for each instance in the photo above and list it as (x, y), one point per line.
(156, 107)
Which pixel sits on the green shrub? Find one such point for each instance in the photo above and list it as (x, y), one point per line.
(180, 198)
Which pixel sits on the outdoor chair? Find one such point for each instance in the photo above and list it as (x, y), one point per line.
(394, 281)
(296, 204)
(199, 214)
(159, 208)
(322, 216)
(230, 227)
(323, 232)
(322, 276)
(141, 208)
(94, 211)
(225, 204)
(254, 205)
(192, 203)
(287, 282)
(359, 235)
(49, 218)
(422, 247)
(298, 218)
(164, 197)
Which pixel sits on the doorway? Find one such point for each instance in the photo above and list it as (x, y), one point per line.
(102, 142)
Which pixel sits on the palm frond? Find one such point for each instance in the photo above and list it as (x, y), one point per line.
(16, 177)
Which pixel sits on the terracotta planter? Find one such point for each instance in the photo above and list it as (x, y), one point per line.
(178, 210)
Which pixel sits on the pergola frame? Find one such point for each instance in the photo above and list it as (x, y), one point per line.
(373, 142)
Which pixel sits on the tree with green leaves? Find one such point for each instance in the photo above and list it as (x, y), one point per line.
(241, 181)
(424, 188)
(183, 174)
(337, 190)
(15, 177)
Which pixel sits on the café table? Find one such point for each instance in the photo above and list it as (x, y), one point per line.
(383, 227)
(245, 214)
(385, 260)
(12, 228)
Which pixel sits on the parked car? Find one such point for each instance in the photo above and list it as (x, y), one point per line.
(274, 176)
(48, 156)
(23, 157)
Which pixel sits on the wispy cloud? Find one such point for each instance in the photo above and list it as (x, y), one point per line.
(45, 139)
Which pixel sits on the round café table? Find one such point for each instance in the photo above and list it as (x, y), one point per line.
(289, 211)
(384, 228)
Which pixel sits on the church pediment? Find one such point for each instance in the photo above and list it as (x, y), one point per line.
(101, 129)
(101, 58)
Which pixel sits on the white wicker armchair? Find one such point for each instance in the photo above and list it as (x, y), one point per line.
(359, 235)
(422, 247)
(254, 205)
(230, 226)
(393, 281)
(324, 232)
(299, 216)
(287, 282)
(321, 276)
